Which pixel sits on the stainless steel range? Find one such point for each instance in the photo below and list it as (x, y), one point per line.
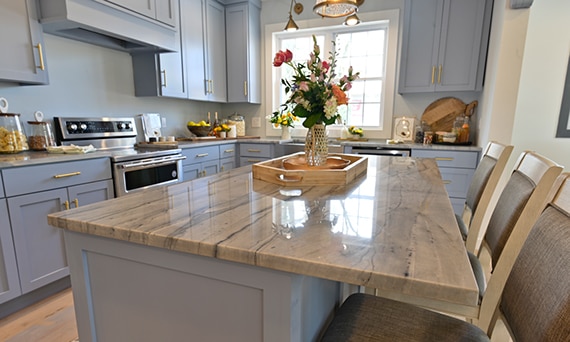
(134, 168)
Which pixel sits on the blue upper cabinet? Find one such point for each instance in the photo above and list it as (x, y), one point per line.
(444, 45)
(23, 55)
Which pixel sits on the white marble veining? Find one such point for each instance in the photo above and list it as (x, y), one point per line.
(391, 229)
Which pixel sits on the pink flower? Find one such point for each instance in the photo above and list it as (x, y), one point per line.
(326, 66)
(304, 86)
(282, 57)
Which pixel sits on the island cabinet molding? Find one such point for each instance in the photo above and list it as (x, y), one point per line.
(33, 192)
(444, 45)
(9, 283)
(23, 58)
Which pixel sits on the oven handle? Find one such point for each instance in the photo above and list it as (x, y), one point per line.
(152, 162)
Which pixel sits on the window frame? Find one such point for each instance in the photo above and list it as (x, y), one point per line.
(272, 31)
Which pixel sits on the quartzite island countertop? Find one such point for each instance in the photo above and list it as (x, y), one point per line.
(392, 229)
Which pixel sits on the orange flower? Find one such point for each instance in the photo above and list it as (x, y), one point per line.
(340, 95)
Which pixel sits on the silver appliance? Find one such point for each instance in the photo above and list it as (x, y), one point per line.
(134, 168)
(382, 151)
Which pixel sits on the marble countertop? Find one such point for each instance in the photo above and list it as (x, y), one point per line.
(392, 228)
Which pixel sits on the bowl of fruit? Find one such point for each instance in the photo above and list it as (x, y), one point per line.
(199, 129)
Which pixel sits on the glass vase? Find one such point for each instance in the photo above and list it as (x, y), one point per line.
(316, 145)
(285, 132)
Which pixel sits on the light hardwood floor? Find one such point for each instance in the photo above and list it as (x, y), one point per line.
(51, 320)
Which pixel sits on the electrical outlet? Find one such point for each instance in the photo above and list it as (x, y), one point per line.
(163, 122)
(256, 122)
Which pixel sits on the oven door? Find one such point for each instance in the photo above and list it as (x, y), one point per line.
(143, 174)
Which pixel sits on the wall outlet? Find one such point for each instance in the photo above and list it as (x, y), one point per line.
(256, 122)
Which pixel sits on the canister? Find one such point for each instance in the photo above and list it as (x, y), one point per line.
(12, 137)
(40, 135)
(236, 119)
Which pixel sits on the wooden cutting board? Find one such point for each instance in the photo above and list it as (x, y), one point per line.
(440, 114)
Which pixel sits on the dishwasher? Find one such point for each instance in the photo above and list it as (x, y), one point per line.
(382, 151)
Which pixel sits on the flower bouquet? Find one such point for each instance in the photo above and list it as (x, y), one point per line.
(315, 94)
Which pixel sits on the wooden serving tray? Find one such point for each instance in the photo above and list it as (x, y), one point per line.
(273, 171)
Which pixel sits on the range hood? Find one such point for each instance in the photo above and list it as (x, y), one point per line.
(95, 22)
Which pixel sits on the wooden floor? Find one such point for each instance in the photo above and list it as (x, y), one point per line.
(51, 320)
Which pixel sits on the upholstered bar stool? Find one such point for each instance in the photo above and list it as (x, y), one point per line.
(532, 308)
(482, 187)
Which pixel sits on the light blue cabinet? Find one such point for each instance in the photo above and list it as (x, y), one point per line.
(38, 190)
(9, 283)
(456, 168)
(160, 10)
(251, 153)
(228, 155)
(444, 45)
(243, 39)
(23, 57)
(200, 162)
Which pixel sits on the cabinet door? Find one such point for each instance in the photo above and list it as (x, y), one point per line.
(161, 74)
(193, 41)
(85, 194)
(459, 45)
(144, 7)
(166, 12)
(23, 52)
(191, 171)
(216, 51)
(227, 164)
(443, 46)
(9, 281)
(39, 247)
(243, 38)
(210, 168)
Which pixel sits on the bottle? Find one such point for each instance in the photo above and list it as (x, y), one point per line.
(344, 134)
(419, 136)
(465, 130)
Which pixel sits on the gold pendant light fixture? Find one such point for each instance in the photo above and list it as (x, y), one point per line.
(336, 8)
(298, 8)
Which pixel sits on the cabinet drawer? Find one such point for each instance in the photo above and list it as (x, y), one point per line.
(460, 159)
(243, 161)
(29, 179)
(255, 150)
(456, 181)
(227, 150)
(200, 154)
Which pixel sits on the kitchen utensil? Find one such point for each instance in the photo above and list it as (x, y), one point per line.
(440, 114)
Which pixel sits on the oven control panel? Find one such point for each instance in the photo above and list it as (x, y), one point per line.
(82, 128)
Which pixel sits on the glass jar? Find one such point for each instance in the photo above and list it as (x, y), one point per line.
(238, 120)
(40, 135)
(12, 137)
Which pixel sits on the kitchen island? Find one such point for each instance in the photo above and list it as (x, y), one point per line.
(229, 257)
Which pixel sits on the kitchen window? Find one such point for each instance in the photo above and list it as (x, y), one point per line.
(370, 48)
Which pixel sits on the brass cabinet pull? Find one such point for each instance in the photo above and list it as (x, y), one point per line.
(253, 160)
(66, 204)
(252, 150)
(76, 202)
(446, 182)
(245, 88)
(41, 54)
(163, 72)
(444, 159)
(439, 74)
(201, 155)
(211, 86)
(63, 175)
(222, 168)
(229, 151)
(432, 74)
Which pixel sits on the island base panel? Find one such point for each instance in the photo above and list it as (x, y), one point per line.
(130, 292)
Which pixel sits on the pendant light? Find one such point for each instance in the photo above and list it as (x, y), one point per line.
(335, 8)
(291, 25)
(351, 20)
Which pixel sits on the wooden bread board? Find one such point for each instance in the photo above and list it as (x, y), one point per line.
(272, 171)
(440, 114)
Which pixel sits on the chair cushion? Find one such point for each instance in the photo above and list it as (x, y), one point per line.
(509, 207)
(479, 181)
(478, 273)
(462, 227)
(364, 317)
(536, 298)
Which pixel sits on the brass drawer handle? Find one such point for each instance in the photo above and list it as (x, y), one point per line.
(63, 175)
(253, 160)
(76, 201)
(446, 182)
(433, 74)
(201, 155)
(444, 159)
(245, 88)
(229, 151)
(41, 54)
(163, 72)
(252, 150)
